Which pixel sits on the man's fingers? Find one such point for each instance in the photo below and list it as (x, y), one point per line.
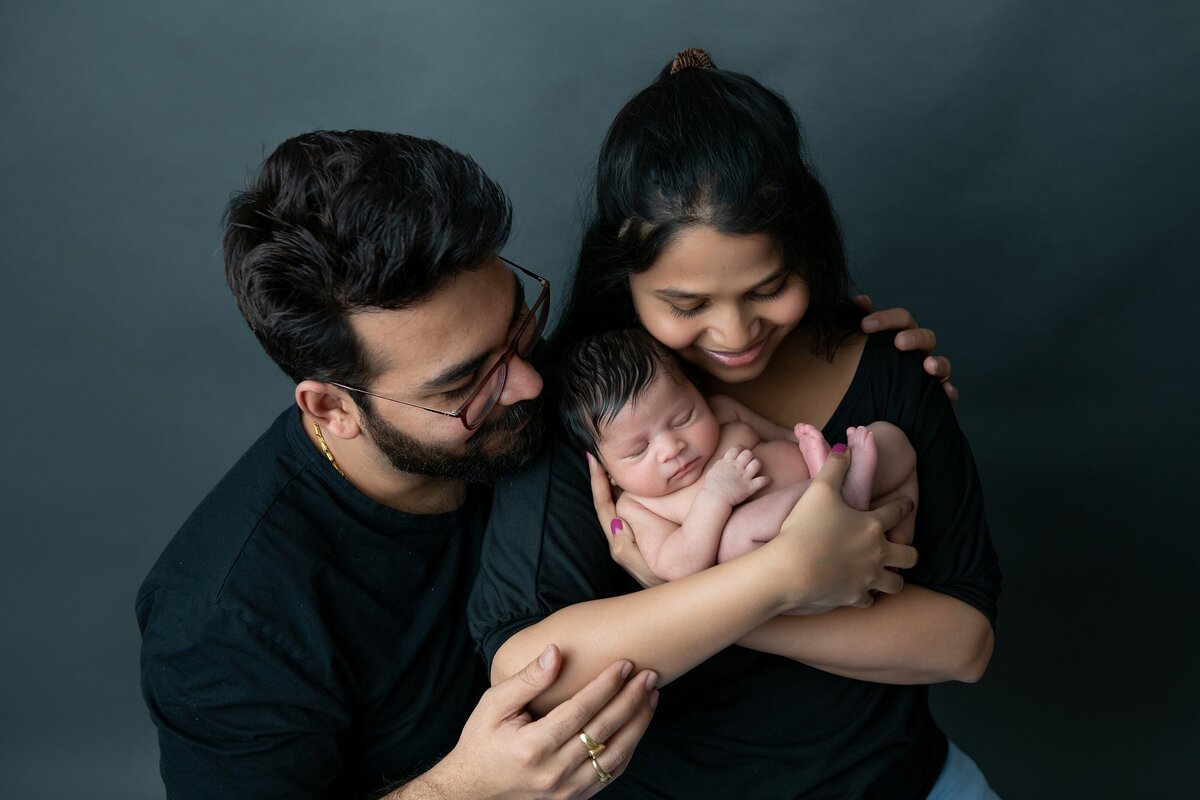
(574, 714)
(922, 339)
(937, 366)
(890, 319)
(509, 697)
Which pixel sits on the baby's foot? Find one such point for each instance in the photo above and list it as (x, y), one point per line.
(864, 456)
(813, 447)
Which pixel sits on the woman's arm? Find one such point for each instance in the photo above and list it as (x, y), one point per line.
(826, 555)
(916, 636)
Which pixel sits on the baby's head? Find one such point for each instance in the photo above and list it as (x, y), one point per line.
(624, 398)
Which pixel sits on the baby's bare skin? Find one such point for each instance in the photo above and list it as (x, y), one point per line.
(757, 515)
(757, 519)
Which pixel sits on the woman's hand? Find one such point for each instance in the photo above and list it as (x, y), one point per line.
(837, 556)
(504, 753)
(910, 337)
(621, 543)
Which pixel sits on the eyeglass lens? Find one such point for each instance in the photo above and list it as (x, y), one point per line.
(487, 397)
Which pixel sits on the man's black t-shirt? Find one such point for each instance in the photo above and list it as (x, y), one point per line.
(300, 640)
(747, 724)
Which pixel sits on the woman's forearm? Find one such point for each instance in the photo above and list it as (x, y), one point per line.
(826, 554)
(669, 628)
(916, 636)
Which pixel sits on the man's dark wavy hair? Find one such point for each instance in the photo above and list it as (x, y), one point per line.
(601, 374)
(707, 147)
(337, 222)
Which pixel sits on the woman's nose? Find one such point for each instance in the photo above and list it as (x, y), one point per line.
(734, 327)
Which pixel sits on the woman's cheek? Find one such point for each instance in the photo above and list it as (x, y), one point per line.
(674, 334)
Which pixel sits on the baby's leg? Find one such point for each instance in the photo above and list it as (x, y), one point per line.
(813, 447)
(896, 475)
(860, 477)
(756, 522)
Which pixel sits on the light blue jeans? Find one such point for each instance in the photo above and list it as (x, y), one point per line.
(961, 779)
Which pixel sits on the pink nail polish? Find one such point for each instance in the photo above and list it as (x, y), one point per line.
(838, 448)
(615, 526)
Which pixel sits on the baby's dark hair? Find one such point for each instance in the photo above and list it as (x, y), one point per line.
(600, 374)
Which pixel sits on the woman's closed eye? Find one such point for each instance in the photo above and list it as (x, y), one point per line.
(764, 294)
(687, 312)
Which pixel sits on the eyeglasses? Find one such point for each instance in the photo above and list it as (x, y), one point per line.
(486, 394)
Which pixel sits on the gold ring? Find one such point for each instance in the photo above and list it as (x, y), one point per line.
(594, 748)
(604, 775)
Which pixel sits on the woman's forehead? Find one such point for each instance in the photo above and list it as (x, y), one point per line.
(703, 260)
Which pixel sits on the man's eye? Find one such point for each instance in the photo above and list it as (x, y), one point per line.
(458, 393)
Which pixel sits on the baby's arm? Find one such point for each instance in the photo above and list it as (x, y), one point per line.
(727, 410)
(673, 551)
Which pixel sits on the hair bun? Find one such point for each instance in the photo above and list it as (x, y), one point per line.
(692, 58)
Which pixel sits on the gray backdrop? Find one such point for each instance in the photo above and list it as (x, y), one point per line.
(1022, 175)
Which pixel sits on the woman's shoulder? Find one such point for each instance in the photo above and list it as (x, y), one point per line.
(889, 384)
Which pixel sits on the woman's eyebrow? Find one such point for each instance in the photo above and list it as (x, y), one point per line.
(677, 294)
(672, 293)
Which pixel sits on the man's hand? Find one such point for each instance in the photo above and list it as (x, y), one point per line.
(909, 338)
(504, 753)
(734, 477)
(622, 545)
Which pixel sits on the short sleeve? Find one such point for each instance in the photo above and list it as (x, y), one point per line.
(954, 548)
(238, 712)
(543, 550)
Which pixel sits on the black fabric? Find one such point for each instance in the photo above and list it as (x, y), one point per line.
(746, 724)
(300, 640)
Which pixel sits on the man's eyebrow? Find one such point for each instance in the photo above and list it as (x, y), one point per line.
(671, 293)
(466, 368)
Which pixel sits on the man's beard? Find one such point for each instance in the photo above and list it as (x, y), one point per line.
(496, 448)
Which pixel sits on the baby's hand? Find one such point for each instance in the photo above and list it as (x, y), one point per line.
(735, 477)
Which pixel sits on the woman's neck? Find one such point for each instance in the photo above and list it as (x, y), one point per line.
(797, 385)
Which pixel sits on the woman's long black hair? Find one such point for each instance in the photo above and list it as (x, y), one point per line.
(703, 146)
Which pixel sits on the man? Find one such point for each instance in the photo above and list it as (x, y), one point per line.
(304, 634)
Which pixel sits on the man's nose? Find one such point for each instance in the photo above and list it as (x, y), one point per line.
(523, 382)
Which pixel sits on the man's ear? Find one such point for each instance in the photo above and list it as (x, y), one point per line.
(330, 406)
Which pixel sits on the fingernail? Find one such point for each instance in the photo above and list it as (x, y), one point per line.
(870, 325)
(838, 448)
(654, 700)
(651, 680)
(589, 456)
(903, 340)
(615, 526)
(545, 658)
(626, 668)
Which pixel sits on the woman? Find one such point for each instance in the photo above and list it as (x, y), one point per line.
(713, 233)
